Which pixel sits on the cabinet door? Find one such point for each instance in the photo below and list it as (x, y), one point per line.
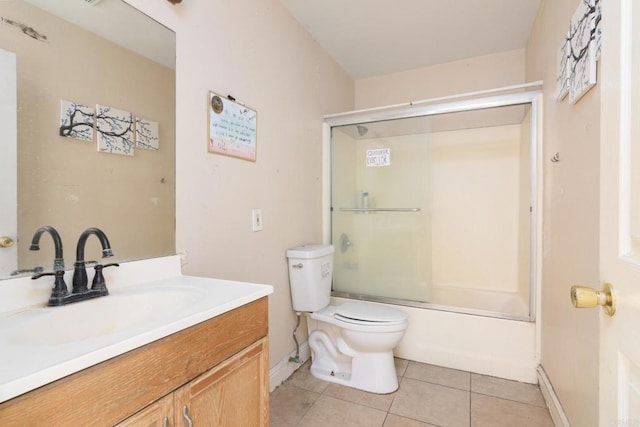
(158, 414)
(234, 393)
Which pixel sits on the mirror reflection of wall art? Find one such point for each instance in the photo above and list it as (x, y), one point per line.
(232, 128)
(76, 121)
(147, 135)
(114, 129)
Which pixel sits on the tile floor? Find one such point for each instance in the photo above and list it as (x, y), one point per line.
(428, 396)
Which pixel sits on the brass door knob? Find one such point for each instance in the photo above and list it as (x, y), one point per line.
(584, 297)
(6, 242)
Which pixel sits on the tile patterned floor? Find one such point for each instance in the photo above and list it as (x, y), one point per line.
(428, 396)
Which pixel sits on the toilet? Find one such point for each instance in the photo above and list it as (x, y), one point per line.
(351, 343)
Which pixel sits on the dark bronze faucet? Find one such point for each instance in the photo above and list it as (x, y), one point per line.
(58, 262)
(60, 294)
(60, 287)
(80, 272)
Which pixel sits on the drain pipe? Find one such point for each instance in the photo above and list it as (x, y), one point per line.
(297, 358)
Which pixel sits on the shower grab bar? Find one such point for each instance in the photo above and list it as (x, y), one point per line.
(380, 209)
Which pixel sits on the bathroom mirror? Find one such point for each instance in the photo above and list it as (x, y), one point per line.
(110, 58)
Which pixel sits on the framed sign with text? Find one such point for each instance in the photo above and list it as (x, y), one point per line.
(232, 128)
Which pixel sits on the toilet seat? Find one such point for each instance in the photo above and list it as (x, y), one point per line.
(378, 318)
(363, 314)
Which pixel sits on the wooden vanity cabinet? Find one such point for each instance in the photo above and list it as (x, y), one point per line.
(218, 369)
(234, 393)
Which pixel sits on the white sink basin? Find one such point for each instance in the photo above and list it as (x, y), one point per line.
(101, 316)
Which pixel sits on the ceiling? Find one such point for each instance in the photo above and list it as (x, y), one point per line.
(376, 37)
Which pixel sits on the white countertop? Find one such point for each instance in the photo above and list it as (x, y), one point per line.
(28, 362)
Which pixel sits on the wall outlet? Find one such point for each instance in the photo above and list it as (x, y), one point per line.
(256, 219)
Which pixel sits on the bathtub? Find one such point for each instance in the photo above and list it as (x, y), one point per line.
(498, 347)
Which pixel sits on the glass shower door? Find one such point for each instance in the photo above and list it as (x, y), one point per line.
(380, 211)
(435, 210)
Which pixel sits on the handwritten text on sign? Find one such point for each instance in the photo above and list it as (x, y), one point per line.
(232, 128)
(379, 157)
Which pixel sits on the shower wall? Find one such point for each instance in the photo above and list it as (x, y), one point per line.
(475, 208)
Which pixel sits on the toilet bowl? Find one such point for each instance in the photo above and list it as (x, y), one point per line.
(351, 343)
(356, 352)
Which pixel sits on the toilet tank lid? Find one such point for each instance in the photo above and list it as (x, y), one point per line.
(309, 251)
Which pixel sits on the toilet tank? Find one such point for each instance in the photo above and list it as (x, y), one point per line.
(310, 274)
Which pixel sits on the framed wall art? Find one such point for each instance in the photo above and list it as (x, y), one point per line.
(582, 48)
(114, 128)
(76, 120)
(579, 52)
(147, 134)
(232, 128)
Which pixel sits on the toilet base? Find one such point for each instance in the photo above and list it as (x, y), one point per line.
(371, 385)
(371, 372)
(337, 377)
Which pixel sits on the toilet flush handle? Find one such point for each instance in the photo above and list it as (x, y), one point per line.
(298, 265)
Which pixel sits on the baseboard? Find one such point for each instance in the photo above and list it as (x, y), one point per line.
(555, 407)
(284, 368)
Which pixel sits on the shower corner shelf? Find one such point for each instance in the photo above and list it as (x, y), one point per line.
(379, 209)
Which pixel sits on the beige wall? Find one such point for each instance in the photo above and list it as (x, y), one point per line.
(255, 51)
(468, 75)
(571, 220)
(66, 182)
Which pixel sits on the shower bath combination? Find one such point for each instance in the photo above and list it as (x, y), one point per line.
(454, 228)
(450, 225)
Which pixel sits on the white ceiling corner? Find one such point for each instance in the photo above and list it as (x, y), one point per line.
(376, 37)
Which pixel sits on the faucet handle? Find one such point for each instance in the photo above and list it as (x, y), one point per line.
(59, 287)
(98, 283)
(33, 270)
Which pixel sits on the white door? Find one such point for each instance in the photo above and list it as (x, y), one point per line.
(8, 165)
(620, 212)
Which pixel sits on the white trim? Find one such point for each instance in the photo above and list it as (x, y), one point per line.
(392, 113)
(624, 152)
(326, 183)
(551, 398)
(284, 368)
(9, 172)
(535, 84)
(538, 217)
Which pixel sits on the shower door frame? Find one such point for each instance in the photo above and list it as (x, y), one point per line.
(435, 107)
